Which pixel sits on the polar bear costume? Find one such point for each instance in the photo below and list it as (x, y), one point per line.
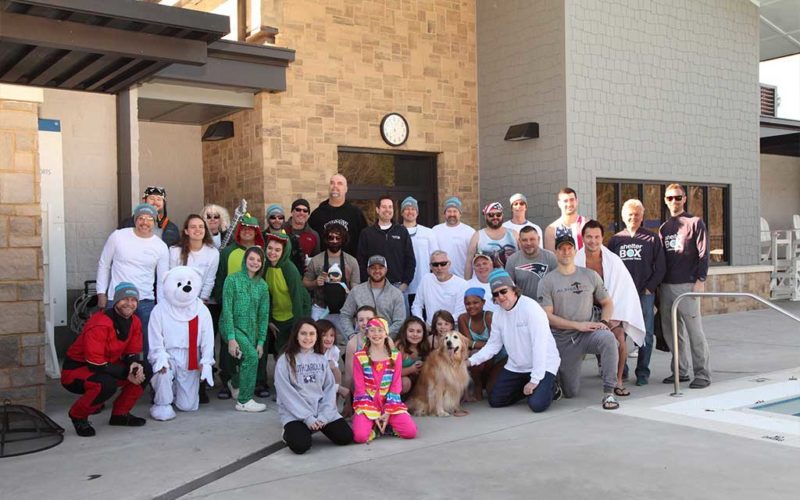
(181, 337)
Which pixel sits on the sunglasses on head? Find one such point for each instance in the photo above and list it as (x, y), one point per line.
(500, 292)
(301, 209)
(212, 216)
(439, 264)
(676, 197)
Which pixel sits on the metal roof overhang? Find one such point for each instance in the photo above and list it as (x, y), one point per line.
(780, 136)
(99, 45)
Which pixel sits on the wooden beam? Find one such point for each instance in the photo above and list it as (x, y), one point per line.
(67, 61)
(30, 30)
(87, 71)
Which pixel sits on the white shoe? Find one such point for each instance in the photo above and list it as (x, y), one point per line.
(634, 353)
(234, 391)
(251, 407)
(162, 412)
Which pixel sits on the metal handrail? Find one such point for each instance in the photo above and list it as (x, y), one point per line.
(675, 352)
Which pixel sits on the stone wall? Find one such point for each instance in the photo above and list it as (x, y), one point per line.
(356, 62)
(755, 281)
(21, 312)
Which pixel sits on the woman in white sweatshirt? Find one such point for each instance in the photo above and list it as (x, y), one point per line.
(307, 391)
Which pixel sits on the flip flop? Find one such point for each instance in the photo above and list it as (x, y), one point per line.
(621, 391)
(610, 402)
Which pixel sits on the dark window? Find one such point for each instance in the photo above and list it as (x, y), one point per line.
(372, 173)
(711, 202)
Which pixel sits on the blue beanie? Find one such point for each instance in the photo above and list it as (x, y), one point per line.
(453, 202)
(125, 289)
(476, 291)
(145, 209)
(275, 209)
(410, 201)
(500, 278)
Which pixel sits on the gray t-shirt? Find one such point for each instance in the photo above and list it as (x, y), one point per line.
(527, 273)
(572, 295)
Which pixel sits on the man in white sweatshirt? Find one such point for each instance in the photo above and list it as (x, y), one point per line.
(136, 255)
(520, 325)
(439, 290)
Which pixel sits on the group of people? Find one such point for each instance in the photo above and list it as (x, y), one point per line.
(307, 288)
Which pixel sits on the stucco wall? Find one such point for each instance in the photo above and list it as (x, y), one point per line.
(89, 148)
(666, 90)
(780, 190)
(521, 78)
(170, 155)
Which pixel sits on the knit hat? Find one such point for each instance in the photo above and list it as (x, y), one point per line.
(453, 202)
(275, 209)
(125, 289)
(376, 259)
(518, 197)
(476, 291)
(301, 202)
(494, 206)
(145, 209)
(500, 278)
(563, 239)
(410, 201)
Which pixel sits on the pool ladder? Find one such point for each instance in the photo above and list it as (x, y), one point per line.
(675, 360)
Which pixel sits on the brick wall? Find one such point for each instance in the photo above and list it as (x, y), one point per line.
(21, 314)
(355, 62)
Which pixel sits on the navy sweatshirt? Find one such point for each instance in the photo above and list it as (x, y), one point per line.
(643, 255)
(394, 244)
(685, 241)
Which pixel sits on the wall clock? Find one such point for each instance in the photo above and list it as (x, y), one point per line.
(394, 129)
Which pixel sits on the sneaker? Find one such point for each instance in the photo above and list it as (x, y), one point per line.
(127, 420)
(82, 427)
(224, 393)
(234, 390)
(557, 392)
(699, 383)
(262, 392)
(671, 379)
(251, 406)
(634, 353)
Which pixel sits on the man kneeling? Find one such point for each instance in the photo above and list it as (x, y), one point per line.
(104, 358)
(520, 326)
(568, 295)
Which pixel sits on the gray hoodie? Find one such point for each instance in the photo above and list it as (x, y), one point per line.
(309, 394)
(388, 301)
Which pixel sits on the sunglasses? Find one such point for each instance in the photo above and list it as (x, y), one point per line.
(676, 198)
(274, 217)
(500, 292)
(495, 215)
(440, 264)
(334, 237)
(301, 210)
(212, 216)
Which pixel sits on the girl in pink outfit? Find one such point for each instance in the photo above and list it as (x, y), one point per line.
(377, 379)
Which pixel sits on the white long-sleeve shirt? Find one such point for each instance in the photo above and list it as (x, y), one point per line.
(127, 257)
(525, 333)
(433, 295)
(205, 260)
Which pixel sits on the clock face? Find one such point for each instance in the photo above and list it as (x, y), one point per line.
(394, 129)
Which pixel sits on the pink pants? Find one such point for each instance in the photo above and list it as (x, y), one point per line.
(402, 424)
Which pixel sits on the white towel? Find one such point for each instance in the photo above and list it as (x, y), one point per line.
(618, 281)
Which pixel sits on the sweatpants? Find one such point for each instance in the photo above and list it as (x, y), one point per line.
(572, 348)
(402, 424)
(245, 378)
(507, 390)
(297, 435)
(96, 389)
(691, 337)
(177, 385)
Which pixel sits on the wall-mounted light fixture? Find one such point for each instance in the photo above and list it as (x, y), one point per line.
(522, 132)
(218, 131)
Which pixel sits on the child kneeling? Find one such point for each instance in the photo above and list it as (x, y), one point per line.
(377, 377)
(307, 391)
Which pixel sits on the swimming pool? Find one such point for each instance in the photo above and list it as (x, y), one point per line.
(790, 406)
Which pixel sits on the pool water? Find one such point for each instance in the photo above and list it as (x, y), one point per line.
(790, 406)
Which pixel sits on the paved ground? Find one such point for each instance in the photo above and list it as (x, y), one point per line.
(574, 450)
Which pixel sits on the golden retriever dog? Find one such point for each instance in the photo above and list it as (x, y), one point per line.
(443, 379)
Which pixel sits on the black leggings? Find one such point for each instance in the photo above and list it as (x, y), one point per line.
(297, 435)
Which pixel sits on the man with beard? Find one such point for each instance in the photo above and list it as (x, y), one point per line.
(530, 264)
(453, 237)
(570, 223)
(378, 293)
(494, 240)
(297, 225)
(337, 209)
(330, 276)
